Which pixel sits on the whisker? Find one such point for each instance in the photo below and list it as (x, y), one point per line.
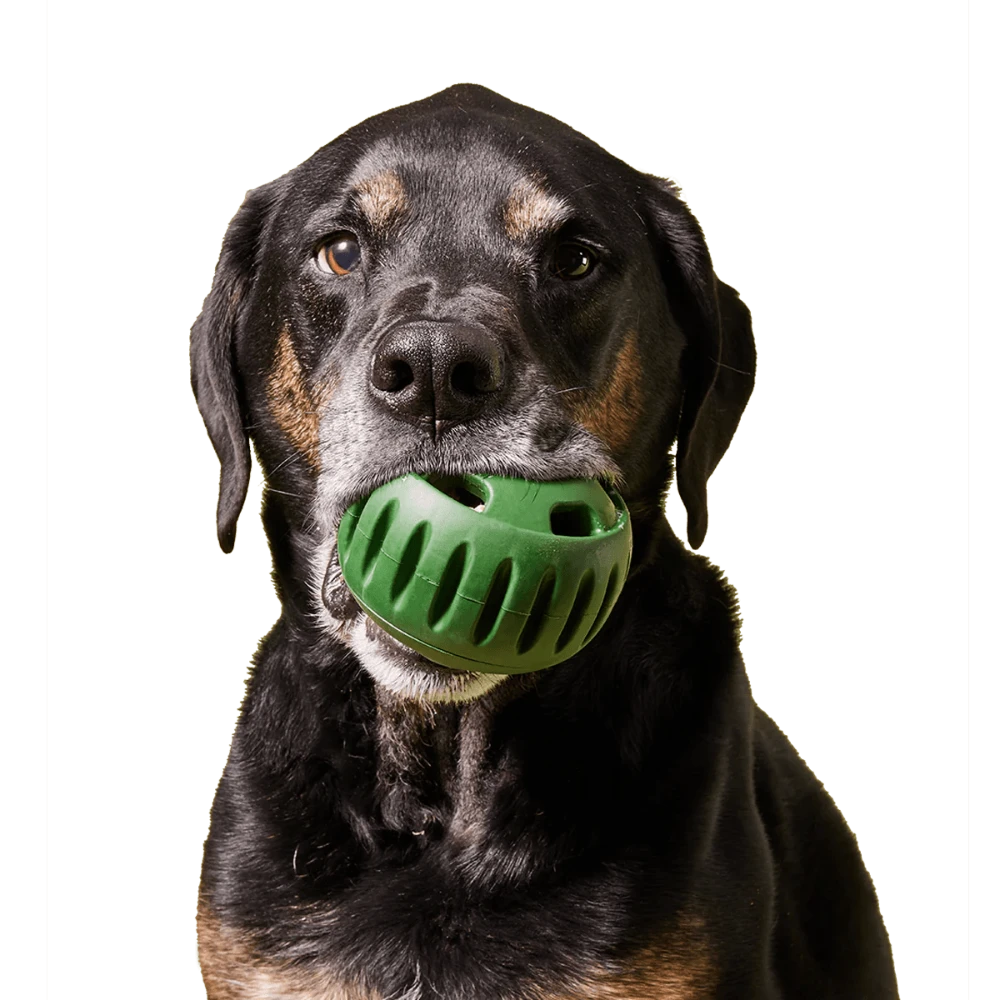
(739, 371)
(283, 463)
(285, 493)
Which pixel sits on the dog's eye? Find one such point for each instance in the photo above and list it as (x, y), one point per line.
(339, 254)
(570, 260)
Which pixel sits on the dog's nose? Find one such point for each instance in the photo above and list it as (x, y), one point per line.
(437, 374)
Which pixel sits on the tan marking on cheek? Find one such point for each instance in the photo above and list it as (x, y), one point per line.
(382, 198)
(233, 970)
(613, 412)
(294, 409)
(679, 967)
(531, 209)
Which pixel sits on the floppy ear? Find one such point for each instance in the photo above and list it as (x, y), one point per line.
(213, 369)
(719, 358)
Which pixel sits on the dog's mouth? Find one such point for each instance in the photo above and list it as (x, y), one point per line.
(448, 481)
(351, 622)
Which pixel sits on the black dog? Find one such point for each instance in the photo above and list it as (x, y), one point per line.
(464, 284)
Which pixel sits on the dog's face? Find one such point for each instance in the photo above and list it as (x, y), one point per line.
(459, 285)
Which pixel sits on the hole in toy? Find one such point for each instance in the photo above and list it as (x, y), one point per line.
(448, 586)
(493, 604)
(408, 564)
(573, 519)
(543, 599)
(381, 529)
(580, 604)
(349, 524)
(467, 492)
(609, 596)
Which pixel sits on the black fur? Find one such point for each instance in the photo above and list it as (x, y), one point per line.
(529, 841)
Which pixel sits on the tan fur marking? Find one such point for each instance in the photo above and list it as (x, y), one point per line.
(531, 209)
(382, 198)
(294, 409)
(233, 971)
(680, 967)
(613, 413)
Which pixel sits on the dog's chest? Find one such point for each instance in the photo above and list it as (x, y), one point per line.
(402, 943)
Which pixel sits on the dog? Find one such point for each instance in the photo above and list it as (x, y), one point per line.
(461, 285)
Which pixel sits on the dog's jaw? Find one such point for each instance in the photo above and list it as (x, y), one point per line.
(390, 664)
(408, 674)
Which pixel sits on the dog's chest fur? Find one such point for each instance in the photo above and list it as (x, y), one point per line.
(677, 967)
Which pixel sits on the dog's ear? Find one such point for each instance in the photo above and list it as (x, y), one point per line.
(718, 362)
(214, 377)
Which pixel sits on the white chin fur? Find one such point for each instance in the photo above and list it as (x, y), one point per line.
(409, 675)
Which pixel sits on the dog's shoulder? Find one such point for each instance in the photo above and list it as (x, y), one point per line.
(828, 926)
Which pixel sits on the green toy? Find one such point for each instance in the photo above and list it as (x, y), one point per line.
(487, 573)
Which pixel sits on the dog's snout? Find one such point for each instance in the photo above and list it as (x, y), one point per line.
(437, 374)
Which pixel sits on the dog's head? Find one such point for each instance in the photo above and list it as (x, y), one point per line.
(459, 285)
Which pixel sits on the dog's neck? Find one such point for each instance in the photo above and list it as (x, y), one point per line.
(432, 764)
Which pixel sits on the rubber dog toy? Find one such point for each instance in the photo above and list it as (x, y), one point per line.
(487, 573)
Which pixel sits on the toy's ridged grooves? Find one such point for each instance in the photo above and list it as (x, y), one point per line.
(487, 573)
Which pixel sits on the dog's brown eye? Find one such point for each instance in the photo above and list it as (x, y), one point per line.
(571, 260)
(339, 254)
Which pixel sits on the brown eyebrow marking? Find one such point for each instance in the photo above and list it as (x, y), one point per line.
(382, 198)
(613, 413)
(294, 408)
(531, 209)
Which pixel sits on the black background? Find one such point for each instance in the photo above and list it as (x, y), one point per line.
(842, 513)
